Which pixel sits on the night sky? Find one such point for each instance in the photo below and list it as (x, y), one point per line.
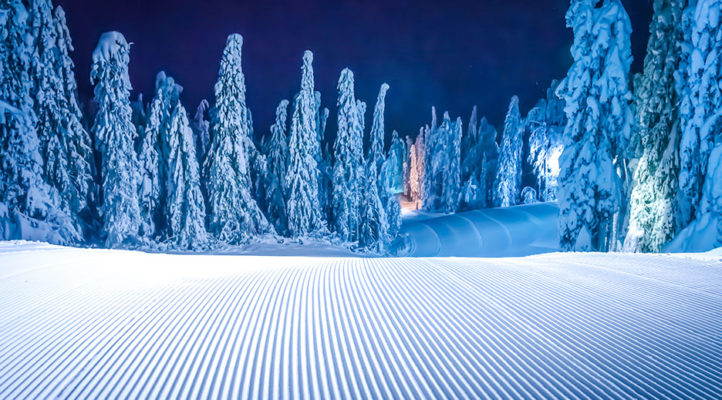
(452, 54)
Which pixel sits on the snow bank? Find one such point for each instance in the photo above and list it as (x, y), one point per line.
(499, 232)
(14, 225)
(700, 236)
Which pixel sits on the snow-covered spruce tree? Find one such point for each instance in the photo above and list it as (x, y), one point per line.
(701, 102)
(318, 114)
(322, 158)
(374, 227)
(434, 160)
(348, 158)
(391, 183)
(34, 206)
(417, 175)
(185, 210)
(153, 154)
(469, 156)
(233, 215)
(276, 151)
(361, 107)
(451, 178)
(407, 167)
(64, 142)
(303, 206)
(201, 130)
(653, 213)
(545, 127)
(114, 135)
(472, 193)
(487, 141)
(597, 99)
(377, 134)
(507, 185)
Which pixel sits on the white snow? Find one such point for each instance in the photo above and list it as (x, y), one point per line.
(494, 232)
(109, 44)
(78, 323)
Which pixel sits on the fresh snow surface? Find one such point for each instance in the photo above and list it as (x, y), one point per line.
(495, 232)
(105, 324)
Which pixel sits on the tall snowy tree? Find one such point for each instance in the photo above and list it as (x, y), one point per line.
(114, 135)
(277, 155)
(442, 165)
(407, 167)
(487, 141)
(184, 208)
(417, 175)
(303, 206)
(373, 226)
(378, 132)
(348, 158)
(653, 211)
(507, 186)
(201, 129)
(544, 125)
(596, 92)
(22, 189)
(153, 154)
(64, 142)
(701, 102)
(391, 183)
(322, 158)
(233, 214)
(469, 156)
(413, 175)
(452, 179)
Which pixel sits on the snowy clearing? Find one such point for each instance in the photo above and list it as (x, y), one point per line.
(114, 324)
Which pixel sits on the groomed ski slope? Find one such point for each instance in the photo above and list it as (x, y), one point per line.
(103, 324)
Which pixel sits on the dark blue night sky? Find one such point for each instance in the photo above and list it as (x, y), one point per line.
(452, 54)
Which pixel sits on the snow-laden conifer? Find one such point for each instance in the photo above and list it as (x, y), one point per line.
(185, 211)
(596, 92)
(303, 206)
(201, 129)
(348, 158)
(452, 176)
(653, 214)
(373, 227)
(544, 125)
(391, 183)
(153, 154)
(507, 186)
(114, 135)
(233, 214)
(64, 142)
(700, 89)
(490, 148)
(276, 151)
(29, 200)
(378, 132)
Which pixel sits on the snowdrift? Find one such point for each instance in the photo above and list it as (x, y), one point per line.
(500, 232)
(700, 236)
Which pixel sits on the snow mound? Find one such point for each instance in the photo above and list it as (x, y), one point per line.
(110, 324)
(700, 236)
(499, 232)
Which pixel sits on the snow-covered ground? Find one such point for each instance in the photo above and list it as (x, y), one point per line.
(107, 324)
(494, 232)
